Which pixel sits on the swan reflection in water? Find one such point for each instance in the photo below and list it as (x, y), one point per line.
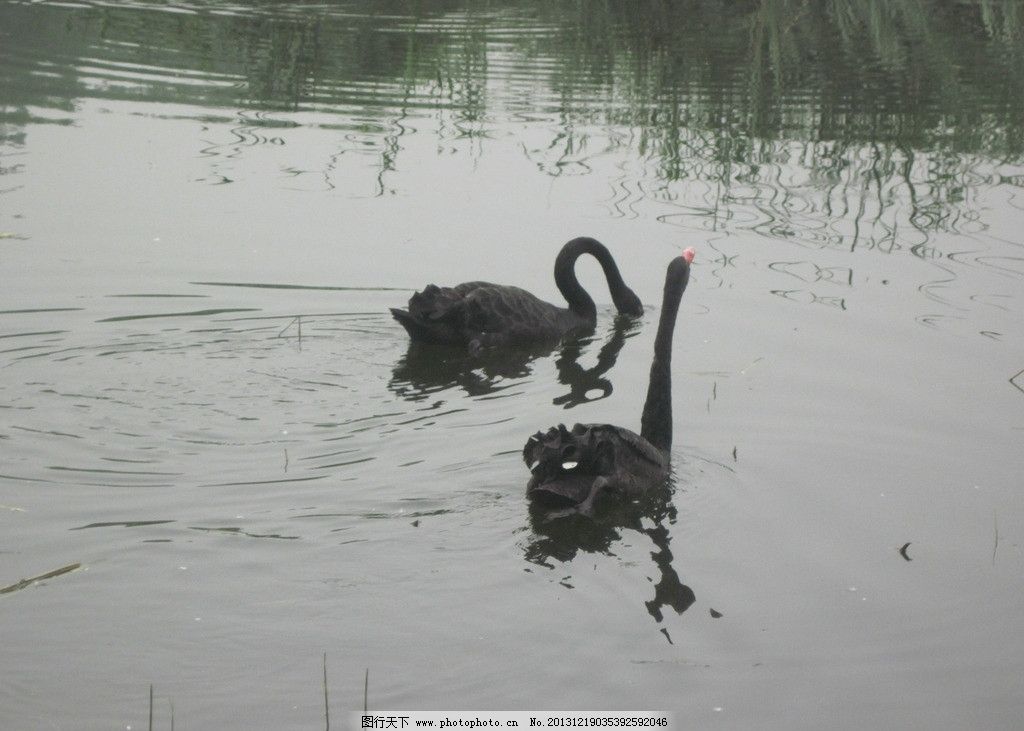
(427, 368)
(589, 384)
(559, 536)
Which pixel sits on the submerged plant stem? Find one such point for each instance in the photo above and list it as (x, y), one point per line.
(327, 710)
(48, 575)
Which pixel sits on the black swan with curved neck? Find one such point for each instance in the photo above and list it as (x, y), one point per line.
(481, 314)
(571, 468)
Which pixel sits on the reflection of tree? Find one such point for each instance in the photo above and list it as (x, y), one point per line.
(560, 538)
(907, 72)
(870, 71)
(888, 111)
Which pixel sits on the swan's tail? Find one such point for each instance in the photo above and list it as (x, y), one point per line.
(407, 321)
(426, 330)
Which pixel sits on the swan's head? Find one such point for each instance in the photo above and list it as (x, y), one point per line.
(627, 303)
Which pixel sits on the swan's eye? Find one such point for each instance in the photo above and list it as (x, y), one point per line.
(570, 465)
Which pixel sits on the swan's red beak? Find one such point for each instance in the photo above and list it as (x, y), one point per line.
(688, 254)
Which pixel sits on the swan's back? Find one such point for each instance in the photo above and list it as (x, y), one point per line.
(564, 463)
(482, 312)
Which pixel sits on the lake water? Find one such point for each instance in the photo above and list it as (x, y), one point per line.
(206, 210)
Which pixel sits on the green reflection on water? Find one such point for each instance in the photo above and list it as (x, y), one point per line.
(915, 72)
(824, 122)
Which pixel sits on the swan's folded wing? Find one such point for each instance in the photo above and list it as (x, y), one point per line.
(441, 303)
(636, 445)
(566, 464)
(511, 311)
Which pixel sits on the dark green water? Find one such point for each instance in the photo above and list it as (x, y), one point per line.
(207, 209)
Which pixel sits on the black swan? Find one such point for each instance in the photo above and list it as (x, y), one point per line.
(481, 314)
(571, 468)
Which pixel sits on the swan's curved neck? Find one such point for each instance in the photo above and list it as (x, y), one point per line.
(656, 421)
(565, 275)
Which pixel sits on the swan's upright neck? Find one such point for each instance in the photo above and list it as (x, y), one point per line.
(656, 421)
(579, 301)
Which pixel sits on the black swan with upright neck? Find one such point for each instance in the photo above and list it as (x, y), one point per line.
(571, 468)
(481, 314)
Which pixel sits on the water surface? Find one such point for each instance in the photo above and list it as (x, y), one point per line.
(207, 209)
